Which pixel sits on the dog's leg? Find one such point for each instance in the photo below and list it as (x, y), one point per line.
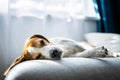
(116, 54)
(96, 52)
(113, 54)
(17, 60)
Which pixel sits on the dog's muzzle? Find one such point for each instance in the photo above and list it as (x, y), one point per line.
(56, 53)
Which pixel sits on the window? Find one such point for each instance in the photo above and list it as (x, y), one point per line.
(55, 8)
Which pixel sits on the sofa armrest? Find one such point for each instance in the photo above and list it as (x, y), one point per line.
(67, 69)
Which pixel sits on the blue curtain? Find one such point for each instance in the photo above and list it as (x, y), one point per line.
(110, 16)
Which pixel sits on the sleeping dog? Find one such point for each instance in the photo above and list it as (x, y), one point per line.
(39, 47)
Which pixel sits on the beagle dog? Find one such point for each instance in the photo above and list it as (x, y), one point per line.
(39, 47)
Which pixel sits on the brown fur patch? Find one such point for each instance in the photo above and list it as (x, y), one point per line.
(37, 41)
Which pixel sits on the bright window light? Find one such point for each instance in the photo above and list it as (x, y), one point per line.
(55, 8)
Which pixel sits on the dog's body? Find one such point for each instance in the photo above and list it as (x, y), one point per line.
(39, 47)
(72, 48)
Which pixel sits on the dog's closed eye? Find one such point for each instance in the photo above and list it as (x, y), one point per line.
(42, 42)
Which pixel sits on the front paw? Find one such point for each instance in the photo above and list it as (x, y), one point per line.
(101, 51)
(116, 55)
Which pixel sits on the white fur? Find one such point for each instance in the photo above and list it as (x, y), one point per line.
(84, 50)
(44, 50)
(71, 48)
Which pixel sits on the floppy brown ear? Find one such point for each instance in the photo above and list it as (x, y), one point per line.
(39, 36)
(17, 60)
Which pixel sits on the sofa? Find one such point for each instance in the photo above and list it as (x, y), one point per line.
(67, 69)
(74, 68)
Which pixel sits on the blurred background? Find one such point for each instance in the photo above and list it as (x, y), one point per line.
(67, 18)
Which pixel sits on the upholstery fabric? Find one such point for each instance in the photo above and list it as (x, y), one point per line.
(67, 69)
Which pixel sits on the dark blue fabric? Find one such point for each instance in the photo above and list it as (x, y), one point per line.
(109, 12)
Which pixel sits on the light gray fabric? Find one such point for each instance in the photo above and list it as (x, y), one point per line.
(67, 69)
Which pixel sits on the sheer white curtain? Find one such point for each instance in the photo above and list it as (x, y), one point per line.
(43, 16)
(22, 18)
(54, 8)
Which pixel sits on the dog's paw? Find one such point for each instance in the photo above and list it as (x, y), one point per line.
(101, 51)
(112, 54)
(116, 55)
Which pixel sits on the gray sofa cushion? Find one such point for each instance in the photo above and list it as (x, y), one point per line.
(67, 69)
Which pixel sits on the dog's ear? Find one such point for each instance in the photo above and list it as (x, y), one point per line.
(16, 61)
(39, 36)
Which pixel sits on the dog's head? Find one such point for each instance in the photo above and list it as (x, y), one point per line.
(40, 47)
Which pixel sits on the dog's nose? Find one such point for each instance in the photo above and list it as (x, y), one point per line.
(56, 53)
